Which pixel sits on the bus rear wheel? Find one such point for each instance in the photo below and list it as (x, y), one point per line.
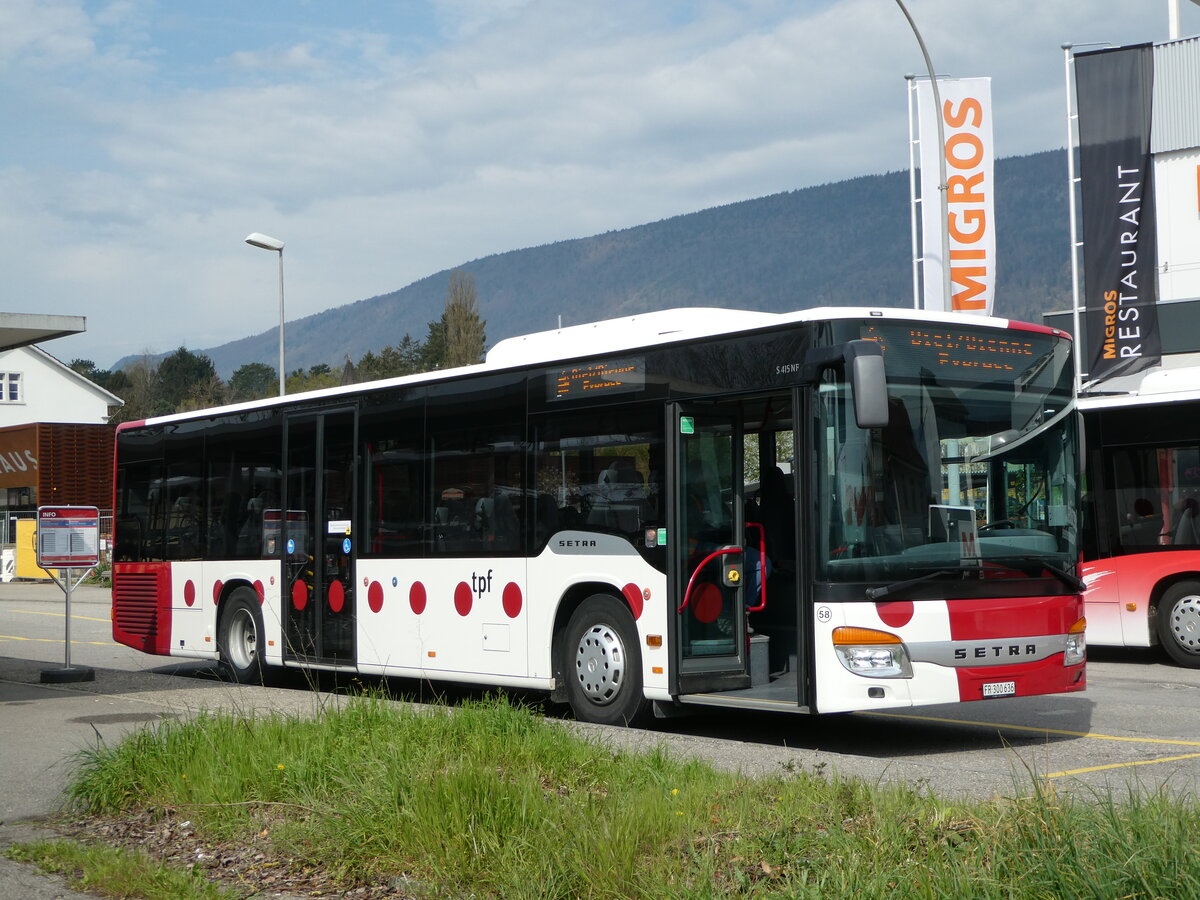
(1178, 621)
(240, 638)
(602, 663)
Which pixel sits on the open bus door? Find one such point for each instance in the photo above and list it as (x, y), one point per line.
(707, 563)
(736, 571)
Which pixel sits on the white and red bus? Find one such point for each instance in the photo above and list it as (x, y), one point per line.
(1142, 512)
(828, 510)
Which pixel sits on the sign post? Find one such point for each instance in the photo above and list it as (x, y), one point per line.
(68, 541)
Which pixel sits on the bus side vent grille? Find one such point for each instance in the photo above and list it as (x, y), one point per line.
(136, 602)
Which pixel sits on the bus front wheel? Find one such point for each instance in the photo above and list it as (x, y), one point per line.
(1178, 621)
(240, 638)
(602, 663)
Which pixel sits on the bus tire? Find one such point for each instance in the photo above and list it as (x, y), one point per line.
(240, 637)
(602, 663)
(1178, 623)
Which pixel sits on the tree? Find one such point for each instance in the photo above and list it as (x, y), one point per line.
(457, 338)
(465, 333)
(88, 370)
(253, 381)
(186, 376)
(391, 362)
(317, 377)
(139, 388)
(204, 394)
(433, 351)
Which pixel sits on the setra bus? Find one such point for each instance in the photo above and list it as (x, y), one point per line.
(1141, 536)
(821, 511)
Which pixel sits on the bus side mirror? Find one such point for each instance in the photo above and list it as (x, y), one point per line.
(868, 383)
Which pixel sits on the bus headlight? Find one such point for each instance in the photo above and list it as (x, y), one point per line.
(1076, 651)
(874, 654)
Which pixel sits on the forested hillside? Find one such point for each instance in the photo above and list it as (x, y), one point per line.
(846, 243)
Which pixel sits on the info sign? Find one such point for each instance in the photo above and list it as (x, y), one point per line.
(68, 537)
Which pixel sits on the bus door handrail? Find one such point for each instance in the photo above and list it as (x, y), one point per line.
(724, 551)
(687, 594)
(761, 574)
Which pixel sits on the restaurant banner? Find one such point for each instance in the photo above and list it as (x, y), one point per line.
(1114, 97)
(970, 191)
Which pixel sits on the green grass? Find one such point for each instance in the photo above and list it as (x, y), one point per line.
(492, 801)
(110, 872)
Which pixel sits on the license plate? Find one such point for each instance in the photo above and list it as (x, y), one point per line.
(1000, 689)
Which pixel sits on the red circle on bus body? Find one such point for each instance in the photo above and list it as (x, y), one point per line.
(633, 594)
(337, 596)
(896, 613)
(189, 592)
(375, 596)
(218, 586)
(261, 591)
(299, 594)
(417, 597)
(512, 600)
(462, 598)
(707, 603)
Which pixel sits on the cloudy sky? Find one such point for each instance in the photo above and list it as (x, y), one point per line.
(384, 141)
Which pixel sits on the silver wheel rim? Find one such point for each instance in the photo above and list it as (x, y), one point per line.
(243, 639)
(1185, 623)
(600, 663)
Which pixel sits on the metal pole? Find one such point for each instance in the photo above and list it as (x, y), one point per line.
(67, 589)
(282, 376)
(68, 673)
(912, 195)
(1071, 185)
(941, 129)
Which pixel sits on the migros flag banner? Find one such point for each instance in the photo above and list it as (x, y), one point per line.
(1114, 93)
(970, 187)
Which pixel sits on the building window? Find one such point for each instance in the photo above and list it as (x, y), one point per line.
(10, 387)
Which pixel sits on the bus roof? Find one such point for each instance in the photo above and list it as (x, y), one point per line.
(627, 333)
(1159, 384)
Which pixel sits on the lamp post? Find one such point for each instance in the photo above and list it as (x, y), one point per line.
(947, 303)
(264, 242)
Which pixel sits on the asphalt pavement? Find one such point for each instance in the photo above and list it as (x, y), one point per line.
(45, 727)
(1138, 716)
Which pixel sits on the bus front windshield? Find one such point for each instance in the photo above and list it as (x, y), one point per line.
(974, 475)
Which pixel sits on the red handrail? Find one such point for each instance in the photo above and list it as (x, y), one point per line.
(687, 594)
(724, 551)
(762, 562)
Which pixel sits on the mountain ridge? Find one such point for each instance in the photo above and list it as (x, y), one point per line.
(842, 243)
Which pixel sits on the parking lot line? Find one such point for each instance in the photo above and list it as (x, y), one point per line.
(38, 612)
(14, 637)
(1124, 765)
(1036, 730)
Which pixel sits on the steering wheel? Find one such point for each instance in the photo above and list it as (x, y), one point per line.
(998, 525)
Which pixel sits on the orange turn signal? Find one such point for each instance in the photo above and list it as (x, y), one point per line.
(852, 635)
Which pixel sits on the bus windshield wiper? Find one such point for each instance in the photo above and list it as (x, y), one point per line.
(1074, 582)
(878, 593)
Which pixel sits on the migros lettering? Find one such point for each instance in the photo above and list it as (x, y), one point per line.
(966, 200)
(1122, 335)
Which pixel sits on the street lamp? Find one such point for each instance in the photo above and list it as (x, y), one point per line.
(947, 303)
(270, 243)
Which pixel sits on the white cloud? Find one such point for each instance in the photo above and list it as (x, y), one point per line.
(150, 143)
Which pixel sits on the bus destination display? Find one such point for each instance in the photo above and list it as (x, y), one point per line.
(610, 376)
(957, 348)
